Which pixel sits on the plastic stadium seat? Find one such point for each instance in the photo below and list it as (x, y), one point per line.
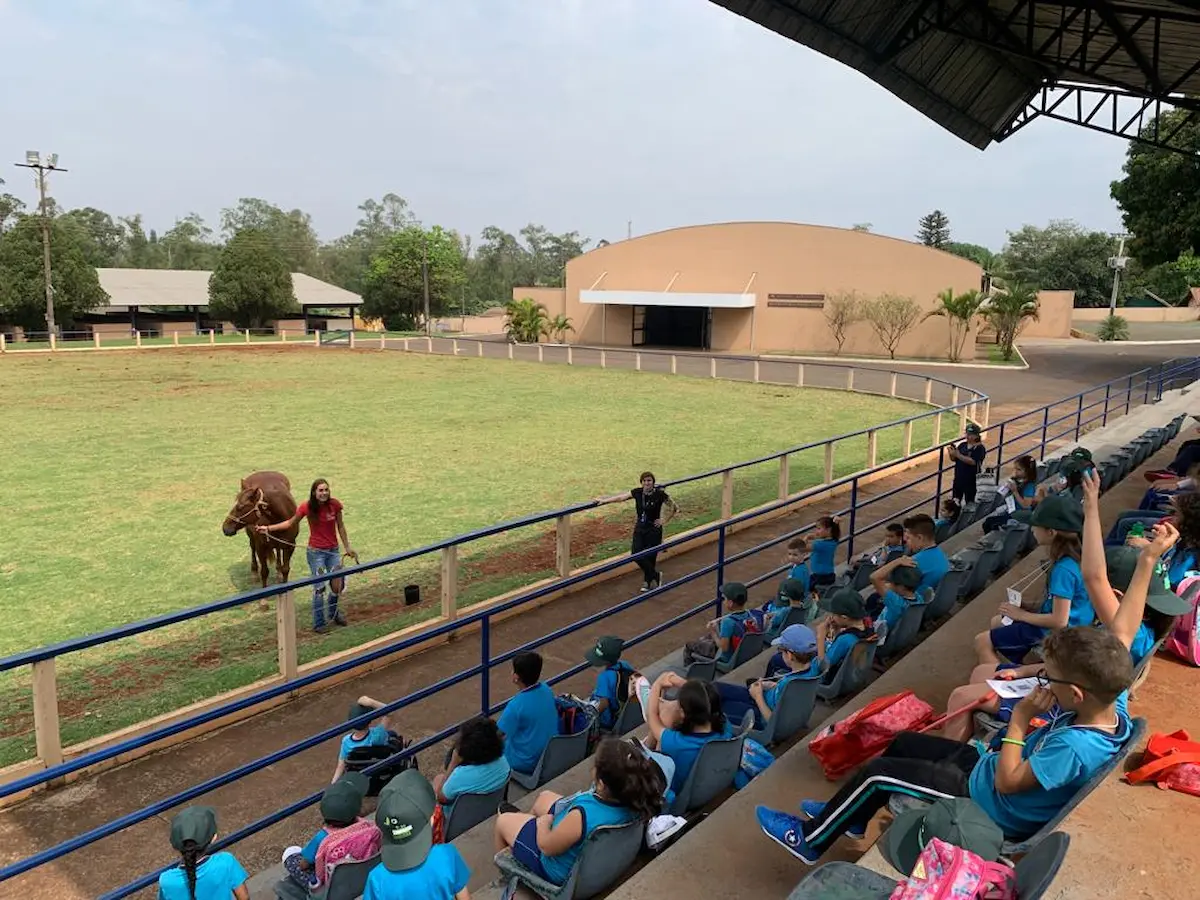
(606, 855)
(712, 774)
(628, 719)
(749, 647)
(468, 810)
(562, 752)
(946, 594)
(904, 635)
(791, 713)
(853, 674)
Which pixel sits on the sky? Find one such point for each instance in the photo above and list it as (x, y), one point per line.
(581, 115)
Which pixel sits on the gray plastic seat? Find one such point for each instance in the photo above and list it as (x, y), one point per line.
(843, 881)
(980, 563)
(629, 718)
(468, 810)
(712, 774)
(1015, 536)
(791, 713)
(346, 883)
(606, 855)
(749, 647)
(946, 594)
(562, 752)
(904, 635)
(853, 674)
(702, 671)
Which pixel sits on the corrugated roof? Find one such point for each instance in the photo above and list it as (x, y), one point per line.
(178, 287)
(973, 65)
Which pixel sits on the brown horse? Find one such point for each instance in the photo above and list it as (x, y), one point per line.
(264, 499)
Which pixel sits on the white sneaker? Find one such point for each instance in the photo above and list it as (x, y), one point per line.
(290, 851)
(661, 829)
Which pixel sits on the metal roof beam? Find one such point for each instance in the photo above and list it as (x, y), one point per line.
(1124, 37)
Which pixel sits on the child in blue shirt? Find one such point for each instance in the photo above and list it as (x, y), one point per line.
(798, 648)
(822, 546)
(839, 632)
(199, 875)
(341, 805)
(612, 684)
(793, 594)
(530, 719)
(700, 720)
(374, 734)
(797, 558)
(897, 586)
(411, 866)
(951, 510)
(729, 629)
(920, 536)
(1057, 524)
(477, 764)
(1034, 774)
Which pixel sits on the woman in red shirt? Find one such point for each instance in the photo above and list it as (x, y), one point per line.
(325, 526)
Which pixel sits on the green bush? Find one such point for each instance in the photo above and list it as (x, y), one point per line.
(1114, 328)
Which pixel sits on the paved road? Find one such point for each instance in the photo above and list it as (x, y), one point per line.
(41, 822)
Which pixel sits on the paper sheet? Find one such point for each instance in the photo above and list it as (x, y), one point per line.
(1015, 689)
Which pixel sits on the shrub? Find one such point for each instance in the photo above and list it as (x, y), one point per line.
(891, 318)
(842, 310)
(1113, 328)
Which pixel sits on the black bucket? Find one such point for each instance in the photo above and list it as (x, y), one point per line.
(412, 594)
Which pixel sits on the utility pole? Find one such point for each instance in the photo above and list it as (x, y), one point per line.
(629, 229)
(33, 160)
(425, 280)
(1117, 264)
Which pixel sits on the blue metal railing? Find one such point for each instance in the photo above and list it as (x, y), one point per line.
(1145, 384)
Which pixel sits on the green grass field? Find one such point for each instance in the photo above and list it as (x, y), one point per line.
(122, 466)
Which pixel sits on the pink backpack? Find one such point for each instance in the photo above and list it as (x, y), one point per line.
(1184, 641)
(354, 843)
(946, 872)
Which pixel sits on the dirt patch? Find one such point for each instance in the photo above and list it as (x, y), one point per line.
(541, 553)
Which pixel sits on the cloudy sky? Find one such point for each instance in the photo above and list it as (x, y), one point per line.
(577, 114)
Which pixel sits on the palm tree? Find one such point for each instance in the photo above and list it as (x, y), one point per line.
(1006, 311)
(557, 328)
(959, 310)
(525, 320)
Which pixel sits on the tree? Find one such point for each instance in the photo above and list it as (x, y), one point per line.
(251, 284)
(1172, 281)
(934, 229)
(10, 210)
(1159, 194)
(102, 238)
(1062, 256)
(551, 253)
(976, 253)
(22, 275)
(393, 289)
(557, 328)
(189, 244)
(525, 320)
(1006, 311)
(290, 233)
(842, 310)
(861, 226)
(140, 250)
(959, 311)
(891, 317)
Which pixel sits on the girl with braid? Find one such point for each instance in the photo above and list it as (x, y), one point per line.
(201, 875)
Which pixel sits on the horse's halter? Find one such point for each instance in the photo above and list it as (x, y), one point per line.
(259, 510)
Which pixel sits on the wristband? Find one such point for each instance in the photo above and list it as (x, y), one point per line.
(1013, 741)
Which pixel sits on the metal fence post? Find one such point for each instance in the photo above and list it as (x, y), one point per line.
(1107, 394)
(1000, 452)
(1079, 418)
(1045, 427)
(1146, 398)
(937, 499)
(853, 518)
(720, 565)
(485, 662)
(1128, 395)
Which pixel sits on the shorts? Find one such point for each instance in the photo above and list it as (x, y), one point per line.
(822, 580)
(1016, 640)
(525, 850)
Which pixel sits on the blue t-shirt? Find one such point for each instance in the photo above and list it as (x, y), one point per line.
(216, 878)
(772, 695)
(821, 555)
(1141, 644)
(683, 749)
(309, 851)
(596, 813)
(528, 723)
(440, 877)
(376, 736)
(839, 648)
(731, 627)
(1063, 759)
(1066, 580)
(1183, 562)
(482, 779)
(933, 565)
(800, 572)
(893, 609)
(890, 553)
(606, 689)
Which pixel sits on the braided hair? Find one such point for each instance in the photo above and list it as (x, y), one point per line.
(191, 853)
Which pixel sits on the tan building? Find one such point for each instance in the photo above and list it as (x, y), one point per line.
(752, 287)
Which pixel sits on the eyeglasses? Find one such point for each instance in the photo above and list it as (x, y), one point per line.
(1044, 681)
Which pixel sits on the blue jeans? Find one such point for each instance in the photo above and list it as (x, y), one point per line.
(322, 562)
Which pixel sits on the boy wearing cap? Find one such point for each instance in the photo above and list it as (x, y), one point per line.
(411, 865)
(199, 875)
(1086, 673)
(838, 632)
(797, 646)
(793, 594)
(968, 459)
(728, 630)
(612, 684)
(372, 734)
(897, 586)
(341, 805)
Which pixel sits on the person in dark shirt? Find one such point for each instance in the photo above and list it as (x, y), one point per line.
(655, 509)
(968, 459)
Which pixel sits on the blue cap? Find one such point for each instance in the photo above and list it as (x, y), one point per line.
(797, 638)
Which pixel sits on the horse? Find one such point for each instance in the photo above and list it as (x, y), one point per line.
(264, 499)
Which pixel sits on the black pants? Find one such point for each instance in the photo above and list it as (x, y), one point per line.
(964, 491)
(995, 523)
(1188, 456)
(644, 537)
(918, 765)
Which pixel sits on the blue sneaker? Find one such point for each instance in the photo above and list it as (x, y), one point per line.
(784, 829)
(810, 809)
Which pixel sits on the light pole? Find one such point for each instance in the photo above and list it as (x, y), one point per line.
(1117, 264)
(425, 281)
(33, 160)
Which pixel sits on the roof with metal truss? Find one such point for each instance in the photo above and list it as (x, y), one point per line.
(983, 69)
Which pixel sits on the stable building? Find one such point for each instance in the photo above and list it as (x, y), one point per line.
(754, 287)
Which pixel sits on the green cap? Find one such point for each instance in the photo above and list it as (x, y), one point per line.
(606, 652)
(1081, 455)
(735, 591)
(792, 589)
(358, 709)
(845, 602)
(955, 820)
(972, 428)
(342, 800)
(194, 823)
(906, 577)
(1060, 512)
(406, 806)
(1122, 563)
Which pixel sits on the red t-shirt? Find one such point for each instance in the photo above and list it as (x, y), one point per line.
(322, 534)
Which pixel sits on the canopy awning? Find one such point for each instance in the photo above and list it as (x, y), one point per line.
(668, 298)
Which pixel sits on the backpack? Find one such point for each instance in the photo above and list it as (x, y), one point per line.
(946, 871)
(1184, 640)
(846, 744)
(354, 843)
(1172, 761)
(755, 759)
(576, 716)
(362, 757)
